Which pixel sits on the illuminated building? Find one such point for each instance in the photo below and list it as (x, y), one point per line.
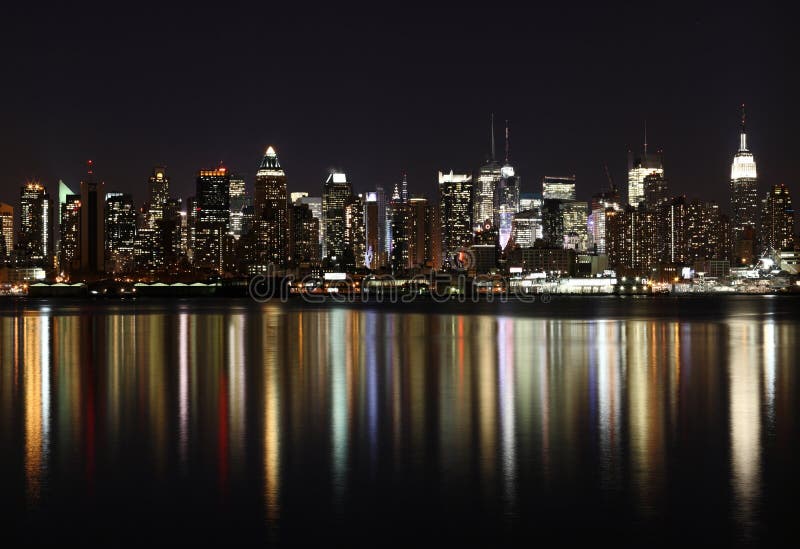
(656, 190)
(526, 228)
(558, 188)
(552, 223)
(191, 225)
(120, 228)
(489, 176)
(271, 206)
(630, 240)
(777, 221)
(314, 204)
(239, 201)
(596, 221)
(70, 228)
(399, 233)
(574, 224)
(744, 198)
(506, 197)
(157, 196)
(529, 201)
(707, 234)
(485, 250)
(671, 232)
(6, 231)
(305, 248)
(455, 202)
(168, 235)
(639, 167)
(336, 193)
(34, 236)
(213, 209)
(544, 259)
(421, 226)
(355, 237)
(373, 229)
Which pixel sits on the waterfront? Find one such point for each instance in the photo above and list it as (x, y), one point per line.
(657, 420)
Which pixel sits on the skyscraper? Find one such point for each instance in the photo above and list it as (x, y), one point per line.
(238, 202)
(744, 197)
(157, 196)
(355, 234)
(777, 220)
(213, 210)
(336, 193)
(373, 228)
(639, 167)
(506, 197)
(558, 187)
(271, 211)
(69, 252)
(489, 176)
(305, 248)
(35, 225)
(455, 203)
(120, 228)
(92, 254)
(574, 215)
(6, 231)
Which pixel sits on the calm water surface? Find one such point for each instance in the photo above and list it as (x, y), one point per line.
(653, 420)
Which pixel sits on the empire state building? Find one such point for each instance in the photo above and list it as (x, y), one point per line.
(744, 198)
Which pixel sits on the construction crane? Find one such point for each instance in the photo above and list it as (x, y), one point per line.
(612, 187)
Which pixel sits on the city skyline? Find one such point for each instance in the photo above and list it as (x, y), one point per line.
(531, 183)
(379, 111)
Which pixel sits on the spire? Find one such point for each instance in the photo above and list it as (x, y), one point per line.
(395, 193)
(645, 137)
(743, 134)
(89, 167)
(491, 132)
(507, 143)
(404, 195)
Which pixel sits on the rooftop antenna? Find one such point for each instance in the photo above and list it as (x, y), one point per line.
(492, 135)
(507, 144)
(743, 136)
(645, 137)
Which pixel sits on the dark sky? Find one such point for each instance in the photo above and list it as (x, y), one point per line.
(378, 93)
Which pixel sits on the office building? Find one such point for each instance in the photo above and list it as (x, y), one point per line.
(558, 187)
(777, 221)
(744, 199)
(92, 254)
(212, 205)
(335, 195)
(271, 203)
(35, 226)
(639, 167)
(455, 202)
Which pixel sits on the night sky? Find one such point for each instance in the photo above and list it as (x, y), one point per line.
(377, 93)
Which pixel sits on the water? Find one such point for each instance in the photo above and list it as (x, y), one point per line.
(658, 421)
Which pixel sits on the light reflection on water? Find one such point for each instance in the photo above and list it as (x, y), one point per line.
(503, 411)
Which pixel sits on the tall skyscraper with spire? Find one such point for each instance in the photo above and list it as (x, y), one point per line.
(506, 196)
(488, 177)
(639, 167)
(744, 199)
(271, 211)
